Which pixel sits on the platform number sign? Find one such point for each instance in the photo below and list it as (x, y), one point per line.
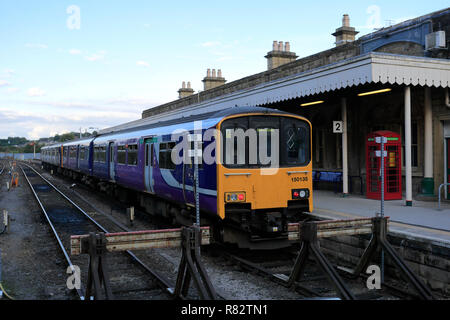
(338, 127)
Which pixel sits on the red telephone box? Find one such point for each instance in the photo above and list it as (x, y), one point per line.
(392, 166)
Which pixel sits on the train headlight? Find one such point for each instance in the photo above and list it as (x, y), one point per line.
(300, 194)
(235, 197)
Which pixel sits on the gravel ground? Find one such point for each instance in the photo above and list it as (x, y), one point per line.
(21, 255)
(32, 266)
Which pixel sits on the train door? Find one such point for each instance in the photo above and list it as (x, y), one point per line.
(111, 161)
(149, 163)
(447, 166)
(78, 156)
(188, 174)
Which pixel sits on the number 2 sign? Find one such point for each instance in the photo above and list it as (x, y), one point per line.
(338, 126)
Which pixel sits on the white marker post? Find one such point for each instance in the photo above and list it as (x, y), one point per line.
(382, 153)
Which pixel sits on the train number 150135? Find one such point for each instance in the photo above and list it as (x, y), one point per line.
(299, 179)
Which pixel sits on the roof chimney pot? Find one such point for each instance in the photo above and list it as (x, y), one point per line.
(275, 46)
(280, 55)
(346, 21)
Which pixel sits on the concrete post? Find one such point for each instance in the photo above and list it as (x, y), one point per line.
(428, 181)
(344, 147)
(408, 166)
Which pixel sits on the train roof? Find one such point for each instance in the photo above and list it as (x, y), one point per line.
(213, 118)
(198, 117)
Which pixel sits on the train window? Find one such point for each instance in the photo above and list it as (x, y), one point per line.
(244, 136)
(132, 155)
(295, 146)
(165, 155)
(72, 152)
(82, 153)
(121, 155)
(148, 155)
(100, 154)
(201, 147)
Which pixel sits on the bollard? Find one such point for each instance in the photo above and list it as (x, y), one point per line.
(5, 221)
(1, 292)
(440, 187)
(51, 172)
(130, 214)
(7, 185)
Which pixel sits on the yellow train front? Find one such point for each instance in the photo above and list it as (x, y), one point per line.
(264, 177)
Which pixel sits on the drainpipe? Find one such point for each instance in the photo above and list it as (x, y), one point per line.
(447, 98)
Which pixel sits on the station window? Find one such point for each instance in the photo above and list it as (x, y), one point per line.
(121, 154)
(165, 158)
(132, 155)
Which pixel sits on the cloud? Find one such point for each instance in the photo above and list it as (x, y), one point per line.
(94, 57)
(11, 90)
(36, 45)
(9, 72)
(36, 92)
(100, 55)
(209, 44)
(74, 51)
(143, 64)
(36, 124)
(4, 83)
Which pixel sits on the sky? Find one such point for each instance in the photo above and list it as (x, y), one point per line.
(90, 64)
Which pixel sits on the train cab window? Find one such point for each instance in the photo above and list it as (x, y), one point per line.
(121, 154)
(295, 146)
(132, 155)
(244, 137)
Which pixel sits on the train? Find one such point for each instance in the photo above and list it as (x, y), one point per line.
(245, 198)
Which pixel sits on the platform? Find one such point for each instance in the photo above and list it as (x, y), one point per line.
(422, 220)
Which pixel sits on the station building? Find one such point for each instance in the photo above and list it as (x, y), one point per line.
(395, 79)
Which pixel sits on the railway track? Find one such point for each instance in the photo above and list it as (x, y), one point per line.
(277, 265)
(130, 277)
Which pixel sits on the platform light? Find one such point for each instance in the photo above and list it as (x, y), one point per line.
(311, 103)
(373, 92)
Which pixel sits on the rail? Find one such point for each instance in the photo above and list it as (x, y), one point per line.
(164, 283)
(188, 238)
(309, 233)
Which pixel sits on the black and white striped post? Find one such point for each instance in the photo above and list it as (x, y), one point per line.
(382, 154)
